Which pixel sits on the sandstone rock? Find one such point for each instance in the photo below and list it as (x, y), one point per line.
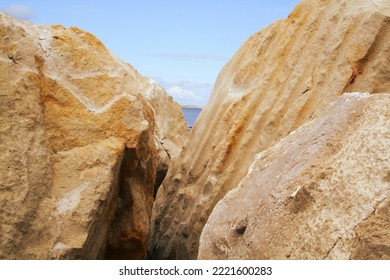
(80, 133)
(172, 129)
(280, 78)
(83, 193)
(323, 192)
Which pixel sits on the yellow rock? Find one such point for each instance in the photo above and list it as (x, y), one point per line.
(82, 136)
(280, 78)
(322, 192)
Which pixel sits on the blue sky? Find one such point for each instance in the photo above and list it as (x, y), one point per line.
(181, 44)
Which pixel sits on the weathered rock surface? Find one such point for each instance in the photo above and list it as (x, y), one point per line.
(81, 137)
(279, 79)
(323, 192)
(85, 189)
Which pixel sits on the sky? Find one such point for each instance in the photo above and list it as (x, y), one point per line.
(182, 44)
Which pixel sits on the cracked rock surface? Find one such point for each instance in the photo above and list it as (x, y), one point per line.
(82, 136)
(282, 77)
(322, 192)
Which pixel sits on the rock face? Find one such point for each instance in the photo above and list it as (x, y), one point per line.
(279, 79)
(81, 137)
(323, 192)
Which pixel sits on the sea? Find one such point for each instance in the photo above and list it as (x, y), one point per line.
(191, 114)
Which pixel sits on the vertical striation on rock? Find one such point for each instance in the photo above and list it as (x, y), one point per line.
(322, 192)
(82, 135)
(281, 77)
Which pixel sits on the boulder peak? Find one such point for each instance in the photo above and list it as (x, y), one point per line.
(81, 143)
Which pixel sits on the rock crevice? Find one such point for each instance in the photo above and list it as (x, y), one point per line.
(79, 136)
(281, 77)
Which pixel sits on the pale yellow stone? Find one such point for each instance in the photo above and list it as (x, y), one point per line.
(280, 78)
(322, 192)
(82, 136)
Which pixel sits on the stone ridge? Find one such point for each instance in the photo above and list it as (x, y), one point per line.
(82, 137)
(322, 192)
(280, 78)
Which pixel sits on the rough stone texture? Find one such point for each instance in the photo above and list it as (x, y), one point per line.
(172, 129)
(81, 137)
(323, 192)
(84, 202)
(280, 78)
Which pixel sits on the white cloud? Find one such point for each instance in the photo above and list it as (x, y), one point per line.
(19, 11)
(187, 92)
(178, 92)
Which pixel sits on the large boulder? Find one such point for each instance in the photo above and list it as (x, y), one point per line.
(81, 137)
(323, 192)
(280, 78)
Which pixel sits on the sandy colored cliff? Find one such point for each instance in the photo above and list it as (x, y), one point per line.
(82, 136)
(282, 77)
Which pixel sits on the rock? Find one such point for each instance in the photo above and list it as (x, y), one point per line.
(280, 78)
(83, 205)
(80, 142)
(322, 192)
(172, 129)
